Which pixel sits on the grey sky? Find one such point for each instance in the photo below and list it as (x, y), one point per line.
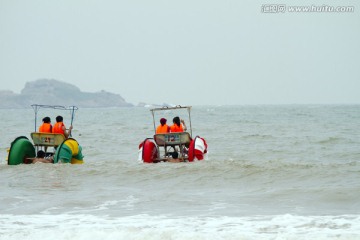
(184, 52)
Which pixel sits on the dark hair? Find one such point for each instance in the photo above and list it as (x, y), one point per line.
(46, 120)
(175, 155)
(59, 118)
(40, 154)
(163, 121)
(176, 120)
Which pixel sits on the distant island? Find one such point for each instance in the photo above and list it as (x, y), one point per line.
(54, 92)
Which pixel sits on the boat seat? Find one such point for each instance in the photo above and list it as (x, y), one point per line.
(172, 139)
(47, 139)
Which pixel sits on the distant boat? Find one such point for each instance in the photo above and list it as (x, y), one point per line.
(164, 146)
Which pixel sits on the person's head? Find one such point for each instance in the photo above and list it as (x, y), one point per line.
(175, 155)
(163, 121)
(46, 120)
(176, 120)
(59, 119)
(40, 154)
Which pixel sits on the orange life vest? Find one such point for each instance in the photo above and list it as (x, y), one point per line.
(45, 128)
(162, 129)
(58, 128)
(176, 128)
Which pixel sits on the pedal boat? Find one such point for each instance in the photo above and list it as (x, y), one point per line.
(160, 147)
(56, 146)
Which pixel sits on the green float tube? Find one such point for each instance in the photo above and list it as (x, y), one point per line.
(21, 149)
(69, 151)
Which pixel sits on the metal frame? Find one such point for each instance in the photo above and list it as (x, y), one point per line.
(172, 108)
(37, 107)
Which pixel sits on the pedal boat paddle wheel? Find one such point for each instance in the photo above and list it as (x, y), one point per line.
(55, 145)
(161, 147)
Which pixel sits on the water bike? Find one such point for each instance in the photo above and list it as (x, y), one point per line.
(167, 147)
(54, 146)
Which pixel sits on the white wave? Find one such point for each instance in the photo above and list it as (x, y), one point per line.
(164, 227)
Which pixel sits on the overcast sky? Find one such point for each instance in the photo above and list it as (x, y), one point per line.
(192, 52)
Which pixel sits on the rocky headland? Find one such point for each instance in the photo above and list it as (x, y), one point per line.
(54, 92)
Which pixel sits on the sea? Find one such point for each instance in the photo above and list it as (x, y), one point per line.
(271, 172)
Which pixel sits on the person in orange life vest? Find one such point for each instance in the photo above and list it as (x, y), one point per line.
(46, 127)
(163, 127)
(59, 127)
(178, 125)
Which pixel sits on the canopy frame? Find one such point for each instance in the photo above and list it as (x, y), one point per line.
(165, 108)
(37, 107)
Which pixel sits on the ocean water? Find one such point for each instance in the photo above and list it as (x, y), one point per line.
(272, 172)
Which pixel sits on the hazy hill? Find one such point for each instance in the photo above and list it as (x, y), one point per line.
(54, 92)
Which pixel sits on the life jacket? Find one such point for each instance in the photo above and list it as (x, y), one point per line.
(176, 128)
(45, 128)
(57, 128)
(162, 129)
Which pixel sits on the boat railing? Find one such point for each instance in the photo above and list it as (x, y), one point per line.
(172, 139)
(47, 139)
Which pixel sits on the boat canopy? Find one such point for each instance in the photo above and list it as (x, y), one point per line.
(165, 108)
(37, 107)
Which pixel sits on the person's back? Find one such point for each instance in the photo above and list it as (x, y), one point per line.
(59, 127)
(163, 127)
(46, 127)
(177, 126)
(175, 158)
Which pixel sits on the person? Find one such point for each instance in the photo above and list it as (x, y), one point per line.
(178, 125)
(40, 157)
(59, 127)
(46, 127)
(175, 158)
(163, 127)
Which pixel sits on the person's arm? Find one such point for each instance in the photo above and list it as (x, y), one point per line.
(183, 123)
(67, 133)
(42, 160)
